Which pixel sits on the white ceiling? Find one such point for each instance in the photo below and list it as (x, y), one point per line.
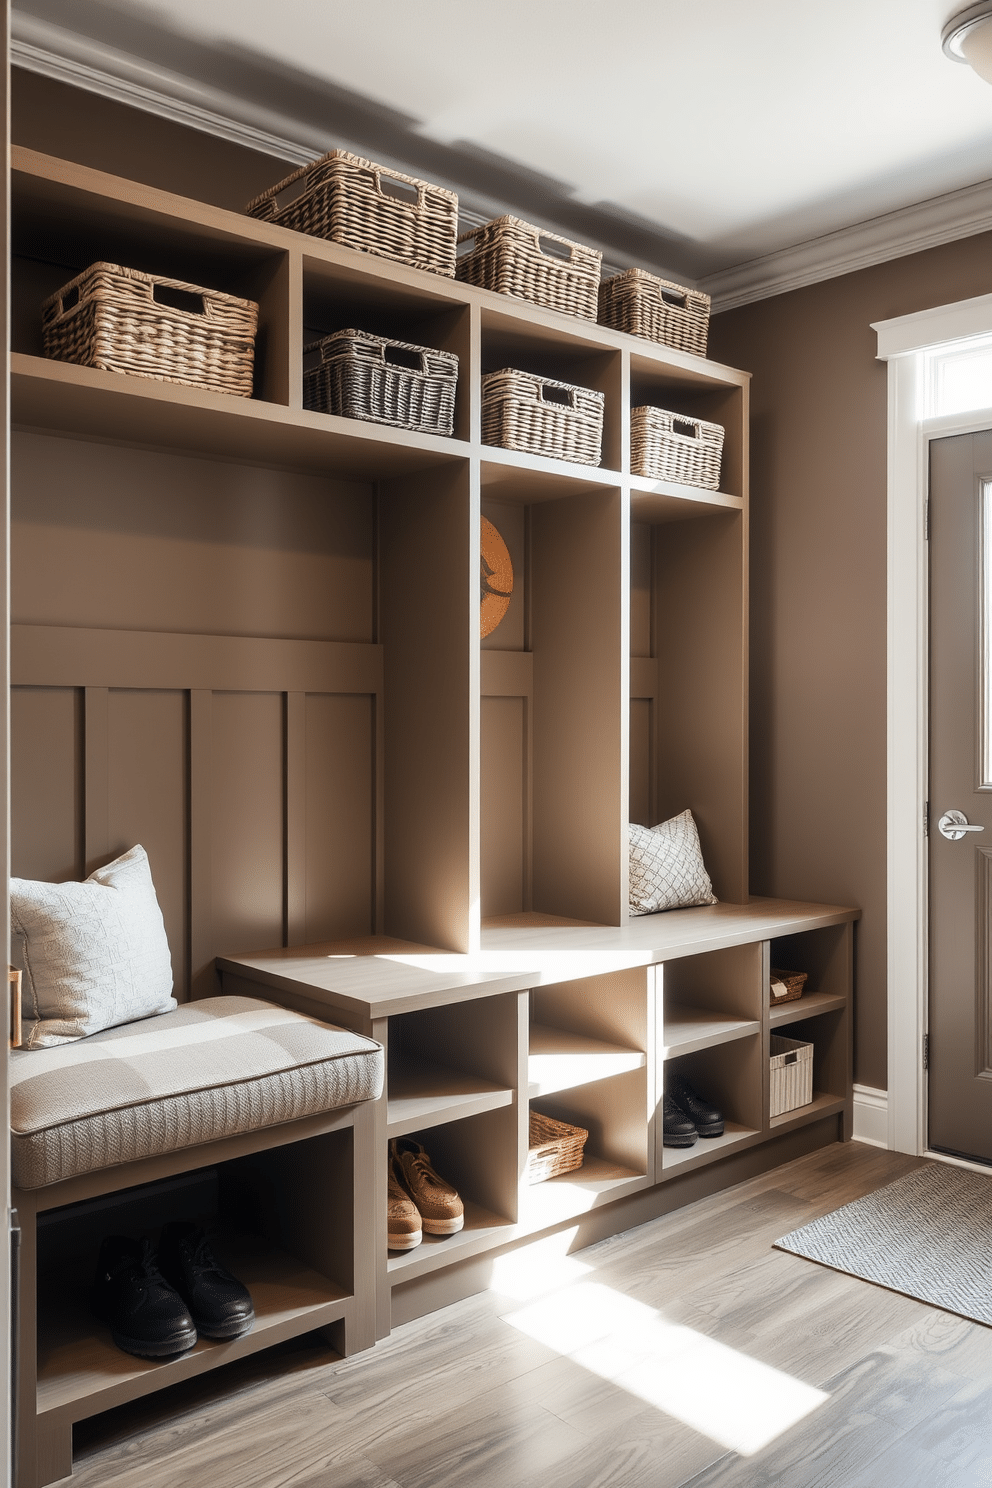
(726, 130)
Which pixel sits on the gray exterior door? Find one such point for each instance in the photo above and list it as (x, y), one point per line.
(960, 1013)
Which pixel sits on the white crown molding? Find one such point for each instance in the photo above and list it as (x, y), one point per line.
(942, 219)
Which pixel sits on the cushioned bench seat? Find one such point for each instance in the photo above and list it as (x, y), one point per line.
(210, 1069)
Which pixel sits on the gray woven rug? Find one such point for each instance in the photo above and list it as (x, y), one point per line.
(928, 1235)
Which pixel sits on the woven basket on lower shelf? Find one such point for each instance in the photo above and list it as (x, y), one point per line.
(354, 202)
(786, 986)
(144, 325)
(538, 416)
(790, 1074)
(554, 1147)
(644, 305)
(388, 382)
(511, 257)
(669, 446)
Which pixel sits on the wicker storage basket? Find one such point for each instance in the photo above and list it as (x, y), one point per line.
(513, 258)
(387, 382)
(541, 417)
(362, 205)
(122, 320)
(786, 986)
(791, 1082)
(667, 446)
(554, 1147)
(644, 305)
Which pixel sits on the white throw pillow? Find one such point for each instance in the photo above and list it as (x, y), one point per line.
(666, 867)
(94, 954)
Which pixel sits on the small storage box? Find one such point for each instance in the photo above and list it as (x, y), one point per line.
(644, 305)
(359, 204)
(143, 325)
(388, 382)
(786, 986)
(554, 1147)
(668, 446)
(791, 1082)
(540, 417)
(511, 257)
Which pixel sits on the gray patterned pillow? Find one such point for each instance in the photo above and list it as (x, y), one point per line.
(94, 954)
(666, 867)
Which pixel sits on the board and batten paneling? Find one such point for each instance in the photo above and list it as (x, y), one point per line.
(246, 767)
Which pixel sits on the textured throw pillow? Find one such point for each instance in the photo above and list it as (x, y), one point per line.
(94, 954)
(666, 867)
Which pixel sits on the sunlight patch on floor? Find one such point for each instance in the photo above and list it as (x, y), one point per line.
(734, 1400)
(540, 1268)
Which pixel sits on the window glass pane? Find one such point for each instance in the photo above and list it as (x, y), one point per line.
(960, 381)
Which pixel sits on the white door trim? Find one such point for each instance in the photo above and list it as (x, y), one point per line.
(902, 343)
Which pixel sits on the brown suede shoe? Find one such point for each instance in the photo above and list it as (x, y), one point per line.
(403, 1225)
(440, 1207)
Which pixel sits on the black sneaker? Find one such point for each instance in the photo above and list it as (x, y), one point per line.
(706, 1118)
(678, 1130)
(145, 1315)
(220, 1304)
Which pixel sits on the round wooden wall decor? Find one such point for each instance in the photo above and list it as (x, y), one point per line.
(497, 578)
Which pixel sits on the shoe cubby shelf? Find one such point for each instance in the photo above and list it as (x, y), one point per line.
(559, 1060)
(424, 1094)
(709, 1149)
(688, 1029)
(810, 1005)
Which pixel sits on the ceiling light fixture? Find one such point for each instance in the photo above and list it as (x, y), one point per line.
(967, 37)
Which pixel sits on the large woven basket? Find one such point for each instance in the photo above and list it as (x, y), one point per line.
(538, 416)
(786, 986)
(669, 446)
(388, 382)
(554, 1147)
(354, 202)
(644, 305)
(122, 320)
(791, 1074)
(513, 258)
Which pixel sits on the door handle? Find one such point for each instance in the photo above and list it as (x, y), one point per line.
(954, 824)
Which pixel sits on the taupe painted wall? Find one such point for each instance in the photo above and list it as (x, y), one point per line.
(818, 587)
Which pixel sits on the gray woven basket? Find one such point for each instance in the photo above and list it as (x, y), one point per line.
(387, 382)
(644, 305)
(354, 202)
(790, 1074)
(554, 1147)
(144, 325)
(670, 446)
(511, 257)
(538, 416)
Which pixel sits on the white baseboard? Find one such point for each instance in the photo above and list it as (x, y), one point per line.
(871, 1116)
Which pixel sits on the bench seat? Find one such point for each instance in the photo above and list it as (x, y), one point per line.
(211, 1069)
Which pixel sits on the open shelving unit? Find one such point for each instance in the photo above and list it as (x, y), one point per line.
(350, 804)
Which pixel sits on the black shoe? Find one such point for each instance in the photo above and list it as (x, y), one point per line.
(220, 1304)
(145, 1314)
(707, 1120)
(678, 1130)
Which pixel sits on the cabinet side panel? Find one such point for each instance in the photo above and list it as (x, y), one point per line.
(502, 826)
(702, 703)
(46, 779)
(579, 734)
(340, 888)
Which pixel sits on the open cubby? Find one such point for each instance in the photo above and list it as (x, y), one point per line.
(730, 1076)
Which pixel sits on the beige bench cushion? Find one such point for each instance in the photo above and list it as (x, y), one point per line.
(210, 1069)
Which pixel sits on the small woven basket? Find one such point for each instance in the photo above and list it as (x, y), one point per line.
(791, 1074)
(644, 305)
(669, 446)
(540, 417)
(387, 382)
(354, 202)
(554, 1147)
(143, 325)
(786, 986)
(511, 257)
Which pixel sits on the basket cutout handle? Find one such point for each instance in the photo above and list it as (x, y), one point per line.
(672, 297)
(289, 193)
(395, 189)
(400, 356)
(70, 299)
(466, 244)
(791, 1057)
(551, 248)
(690, 429)
(179, 299)
(564, 397)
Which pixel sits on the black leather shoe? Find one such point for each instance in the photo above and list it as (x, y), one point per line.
(678, 1130)
(146, 1316)
(220, 1304)
(707, 1120)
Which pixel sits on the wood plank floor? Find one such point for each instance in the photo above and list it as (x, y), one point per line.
(684, 1354)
